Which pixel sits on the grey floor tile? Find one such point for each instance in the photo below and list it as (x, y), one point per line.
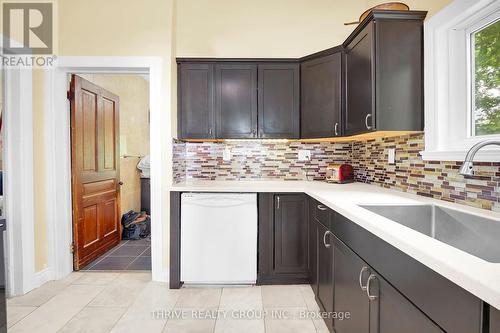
(146, 253)
(140, 263)
(113, 263)
(127, 251)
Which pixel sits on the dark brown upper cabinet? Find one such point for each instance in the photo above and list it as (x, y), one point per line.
(383, 73)
(221, 99)
(321, 96)
(196, 101)
(278, 96)
(236, 101)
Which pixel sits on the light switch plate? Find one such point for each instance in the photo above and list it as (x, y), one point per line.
(226, 155)
(391, 155)
(304, 155)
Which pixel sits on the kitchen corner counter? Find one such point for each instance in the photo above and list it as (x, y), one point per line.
(479, 277)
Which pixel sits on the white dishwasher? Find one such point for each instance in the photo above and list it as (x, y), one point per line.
(219, 238)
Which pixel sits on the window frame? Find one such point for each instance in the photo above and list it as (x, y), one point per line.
(447, 80)
(474, 28)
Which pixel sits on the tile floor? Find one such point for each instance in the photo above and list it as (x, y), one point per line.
(129, 302)
(128, 255)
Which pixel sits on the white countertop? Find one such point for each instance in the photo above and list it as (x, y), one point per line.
(479, 277)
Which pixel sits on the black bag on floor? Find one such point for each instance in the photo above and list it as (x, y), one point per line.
(135, 225)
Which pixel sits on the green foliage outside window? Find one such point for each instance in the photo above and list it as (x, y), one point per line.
(487, 80)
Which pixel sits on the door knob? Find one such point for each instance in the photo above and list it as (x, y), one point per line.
(120, 183)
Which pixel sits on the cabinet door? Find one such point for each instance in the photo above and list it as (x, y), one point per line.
(391, 312)
(321, 97)
(278, 111)
(351, 274)
(236, 100)
(359, 66)
(196, 101)
(313, 245)
(494, 319)
(291, 253)
(325, 272)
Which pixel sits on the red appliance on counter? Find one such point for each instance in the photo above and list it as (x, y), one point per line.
(340, 173)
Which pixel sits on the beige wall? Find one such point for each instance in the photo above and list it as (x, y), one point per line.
(40, 198)
(106, 28)
(263, 28)
(133, 91)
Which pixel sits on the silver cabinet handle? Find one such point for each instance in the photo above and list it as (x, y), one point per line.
(363, 270)
(368, 284)
(278, 202)
(321, 207)
(324, 239)
(366, 121)
(210, 131)
(336, 128)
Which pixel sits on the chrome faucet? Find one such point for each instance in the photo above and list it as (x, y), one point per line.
(466, 168)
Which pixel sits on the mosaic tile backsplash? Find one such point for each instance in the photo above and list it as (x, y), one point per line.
(256, 161)
(435, 179)
(409, 173)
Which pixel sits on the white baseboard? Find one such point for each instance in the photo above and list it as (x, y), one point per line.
(42, 277)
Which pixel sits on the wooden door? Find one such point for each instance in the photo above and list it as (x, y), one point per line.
(236, 101)
(325, 272)
(95, 170)
(351, 274)
(291, 246)
(321, 97)
(360, 83)
(196, 101)
(278, 111)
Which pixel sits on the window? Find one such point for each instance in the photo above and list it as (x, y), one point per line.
(462, 80)
(485, 83)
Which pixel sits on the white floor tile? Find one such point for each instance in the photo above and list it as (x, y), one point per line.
(190, 326)
(97, 278)
(282, 296)
(93, 320)
(199, 298)
(156, 297)
(244, 298)
(17, 312)
(55, 313)
(123, 291)
(239, 326)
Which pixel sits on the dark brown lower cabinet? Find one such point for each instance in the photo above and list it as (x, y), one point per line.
(374, 306)
(494, 320)
(391, 312)
(351, 274)
(313, 244)
(283, 239)
(325, 293)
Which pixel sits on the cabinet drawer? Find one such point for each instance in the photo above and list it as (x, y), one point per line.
(322, 213)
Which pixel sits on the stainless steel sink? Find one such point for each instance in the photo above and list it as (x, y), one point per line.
(473, 234)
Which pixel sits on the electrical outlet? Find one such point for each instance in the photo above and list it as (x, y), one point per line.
(304, 155)
(391, 155)
(226, 155)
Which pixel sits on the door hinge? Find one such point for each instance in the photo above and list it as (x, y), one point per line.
(72, 247)
(70, 95)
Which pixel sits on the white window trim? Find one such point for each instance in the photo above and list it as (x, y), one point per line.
(447, 92)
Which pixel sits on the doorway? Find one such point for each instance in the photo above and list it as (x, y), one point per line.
(110, 171)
